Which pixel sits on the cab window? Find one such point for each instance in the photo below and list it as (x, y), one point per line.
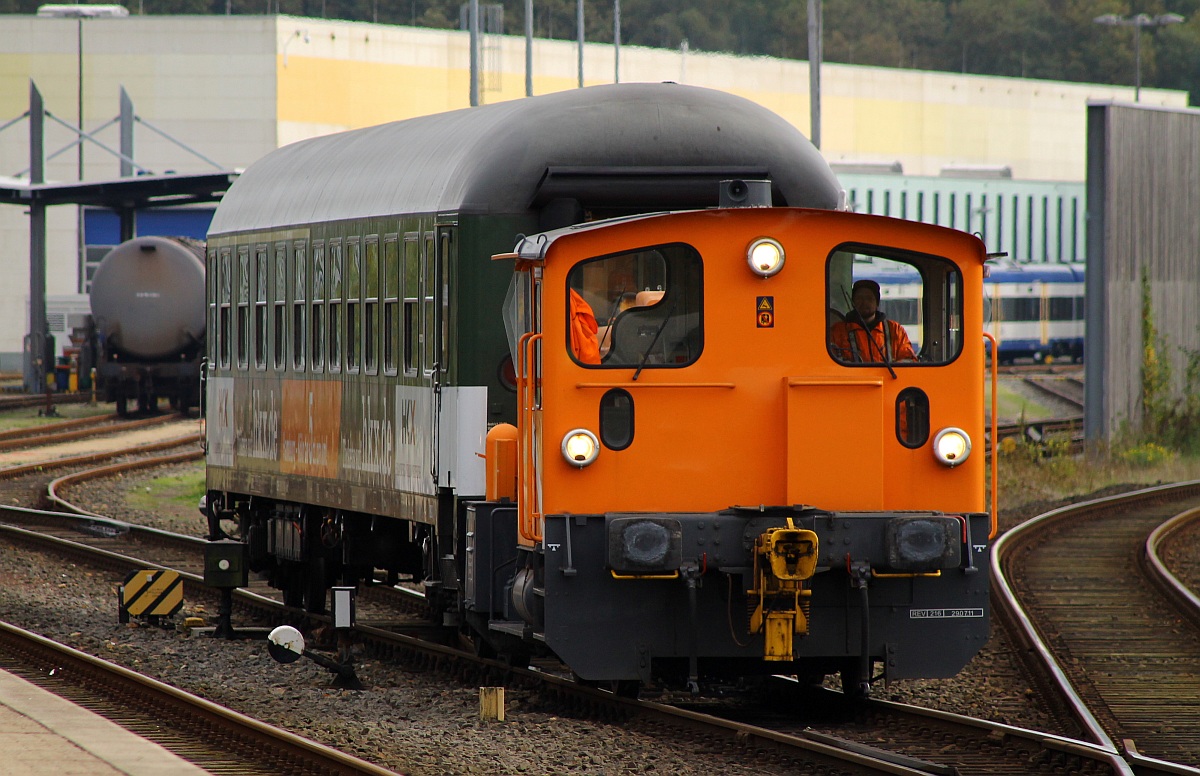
(892, 307)
(637, 309)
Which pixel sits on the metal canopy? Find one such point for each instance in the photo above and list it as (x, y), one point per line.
(123, 193)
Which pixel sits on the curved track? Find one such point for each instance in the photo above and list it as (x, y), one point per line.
(1073, 581)
(915, 740)
(788, 741)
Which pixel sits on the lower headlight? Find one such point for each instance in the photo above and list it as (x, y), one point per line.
(923, 544)
(951, 446)
(580, 447)
(644, 545)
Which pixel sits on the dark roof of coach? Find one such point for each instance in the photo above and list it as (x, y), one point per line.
(492, 159)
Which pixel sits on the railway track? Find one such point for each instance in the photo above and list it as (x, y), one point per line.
(917, 741)
(46, 400)
(1042, 369)
(204, 733)
(889, 737)
(1168, 560)
(1062, 388)
(81, 428)
(422, 654)
(1074, 582)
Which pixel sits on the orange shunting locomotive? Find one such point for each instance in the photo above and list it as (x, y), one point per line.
(704, 484)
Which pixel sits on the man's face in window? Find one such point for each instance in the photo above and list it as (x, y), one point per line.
(864, 303)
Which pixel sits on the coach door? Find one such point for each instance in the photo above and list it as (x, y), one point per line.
(522, 325)
(435, 327)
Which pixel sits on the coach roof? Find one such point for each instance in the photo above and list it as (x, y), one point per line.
(513, 156)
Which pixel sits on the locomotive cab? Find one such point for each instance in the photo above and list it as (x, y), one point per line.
(709, 486)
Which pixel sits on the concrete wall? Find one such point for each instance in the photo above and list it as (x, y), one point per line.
(1143, 181)
(234, 88)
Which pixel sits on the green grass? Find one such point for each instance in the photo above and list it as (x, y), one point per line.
(1012, 407)
(180, 491)
(27, 417)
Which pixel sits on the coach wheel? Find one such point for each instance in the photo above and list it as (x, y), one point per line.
(293, 590)
(122, 406)
(482, 647)
(854, 684)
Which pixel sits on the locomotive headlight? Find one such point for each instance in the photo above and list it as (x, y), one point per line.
(644, 545)
(951, 446)
(580, 447)
(765, 257)
(923, 544)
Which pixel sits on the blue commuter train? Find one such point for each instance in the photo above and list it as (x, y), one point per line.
(1035, 311)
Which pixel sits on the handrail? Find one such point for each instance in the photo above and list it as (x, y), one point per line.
(529, 520)
(995, 458)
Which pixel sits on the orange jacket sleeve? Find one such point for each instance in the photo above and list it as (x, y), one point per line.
(839, 337)
(901, 347)
(583, 331)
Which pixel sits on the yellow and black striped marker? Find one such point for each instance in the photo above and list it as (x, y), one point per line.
(151, 593)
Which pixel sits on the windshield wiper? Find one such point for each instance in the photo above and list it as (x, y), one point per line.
(658, 333)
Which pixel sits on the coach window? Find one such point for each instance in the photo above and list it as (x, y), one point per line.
(644, 305)
(1024, 306)
(243, 307)
(316, 351)
(279, 322)
(370, 337)
(299, 322)
(261, 278)
(918, 296)
(412, 294)
(353, 304)
(224, 300)
(212, 283)
(444, 307)
(391, 303)
(334, 314)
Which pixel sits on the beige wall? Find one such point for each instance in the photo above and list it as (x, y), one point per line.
(234, 88)
(361, 74)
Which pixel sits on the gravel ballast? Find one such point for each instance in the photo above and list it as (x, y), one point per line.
(411, 722)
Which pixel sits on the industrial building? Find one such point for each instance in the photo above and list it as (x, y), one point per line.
(214, 93)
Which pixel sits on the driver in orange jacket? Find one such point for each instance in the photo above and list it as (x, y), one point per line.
(583, 330)
(867, 335)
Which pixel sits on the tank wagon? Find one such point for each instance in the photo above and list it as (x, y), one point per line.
(626, 442)
(148, 310)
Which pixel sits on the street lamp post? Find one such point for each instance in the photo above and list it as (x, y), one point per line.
(79, 13)
(1138, 23)
(579, 33)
